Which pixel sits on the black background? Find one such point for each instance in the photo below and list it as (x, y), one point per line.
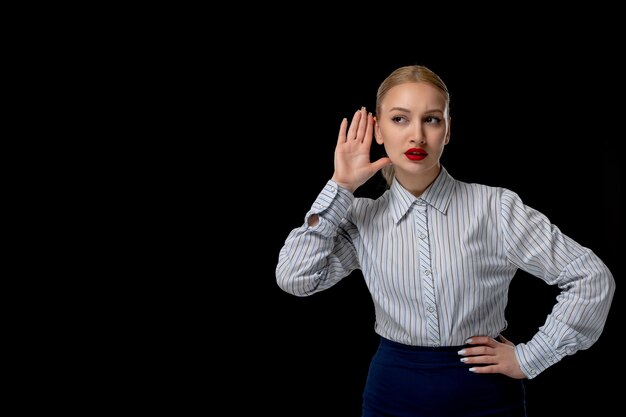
(538, 119)
(250, 136)
(220, 140)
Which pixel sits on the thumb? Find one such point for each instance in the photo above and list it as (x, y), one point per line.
(506, 341)
(381, 163)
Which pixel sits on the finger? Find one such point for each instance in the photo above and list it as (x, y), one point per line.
(342, 131)
(362, 125)
(478, 360)
(352, 131)
(380, 163)
(478, 350)
(489, 369)
(506, 341)
(369, 130)
(482, 340)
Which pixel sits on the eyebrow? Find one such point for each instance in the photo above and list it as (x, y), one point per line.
(409, 111)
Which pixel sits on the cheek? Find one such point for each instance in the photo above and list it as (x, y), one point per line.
(387, 135)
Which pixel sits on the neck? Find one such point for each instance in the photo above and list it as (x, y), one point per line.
(416, 184)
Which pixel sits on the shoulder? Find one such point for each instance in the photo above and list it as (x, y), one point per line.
(478, 190)
(477, 196)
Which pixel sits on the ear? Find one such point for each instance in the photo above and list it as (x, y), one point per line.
(377, 134)
(448, 132)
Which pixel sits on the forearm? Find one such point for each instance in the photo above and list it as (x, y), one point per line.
(578, 318)
(307, 264)
(318, 254)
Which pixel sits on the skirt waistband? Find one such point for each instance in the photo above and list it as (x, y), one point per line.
(410, 348)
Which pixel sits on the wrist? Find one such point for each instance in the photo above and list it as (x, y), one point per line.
(344, 185)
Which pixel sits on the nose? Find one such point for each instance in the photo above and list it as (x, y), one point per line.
(419, 137)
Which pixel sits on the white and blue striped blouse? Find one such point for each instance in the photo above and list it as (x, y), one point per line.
(439, 266)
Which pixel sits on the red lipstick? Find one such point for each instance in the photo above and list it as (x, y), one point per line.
(416, 154)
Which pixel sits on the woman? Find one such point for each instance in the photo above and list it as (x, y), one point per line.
(438, 256)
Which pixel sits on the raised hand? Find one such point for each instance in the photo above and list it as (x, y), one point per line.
(352, 154)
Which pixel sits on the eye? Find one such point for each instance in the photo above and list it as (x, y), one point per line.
(432, 120)
(399, 119)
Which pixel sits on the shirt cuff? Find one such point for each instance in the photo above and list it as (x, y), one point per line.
(536, 356)
(331, 206)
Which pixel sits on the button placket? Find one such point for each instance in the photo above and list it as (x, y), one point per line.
(428, 285)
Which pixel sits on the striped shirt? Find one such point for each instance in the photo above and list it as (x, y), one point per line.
(439, 266)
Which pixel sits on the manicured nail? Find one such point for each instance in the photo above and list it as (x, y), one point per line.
(472, 369)
(469, 340)
(461, 352)
(463, 359)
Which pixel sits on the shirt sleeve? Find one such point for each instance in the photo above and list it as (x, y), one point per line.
(587, 286)
(314, 258)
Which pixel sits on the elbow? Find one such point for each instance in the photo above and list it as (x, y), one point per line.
(293, 287)
(286, 285)
(607, 283)
(292, 283)
(605, 290)
(610, 285)
(600, 283)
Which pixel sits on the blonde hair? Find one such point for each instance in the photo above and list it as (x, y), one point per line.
(403, 75)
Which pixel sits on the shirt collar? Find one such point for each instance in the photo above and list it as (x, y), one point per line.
(438, 195)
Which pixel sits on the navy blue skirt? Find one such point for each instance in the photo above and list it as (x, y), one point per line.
(415, 381)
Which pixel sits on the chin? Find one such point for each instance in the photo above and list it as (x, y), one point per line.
(419, 167)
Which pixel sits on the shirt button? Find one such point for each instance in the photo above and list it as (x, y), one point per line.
(431, 309)
(422, 236)
(533, 372)
(436, 344)
(427, 272)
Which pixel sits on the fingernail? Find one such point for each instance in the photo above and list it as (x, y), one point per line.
(463, 359)
(472, 369)
(469, 340)
(461, 352)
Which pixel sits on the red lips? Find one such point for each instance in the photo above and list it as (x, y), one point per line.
(416, 154)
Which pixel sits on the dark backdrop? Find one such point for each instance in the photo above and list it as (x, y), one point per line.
(543, 123)
(233, 133)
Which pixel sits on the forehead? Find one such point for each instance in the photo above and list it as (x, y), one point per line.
(414, 94)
